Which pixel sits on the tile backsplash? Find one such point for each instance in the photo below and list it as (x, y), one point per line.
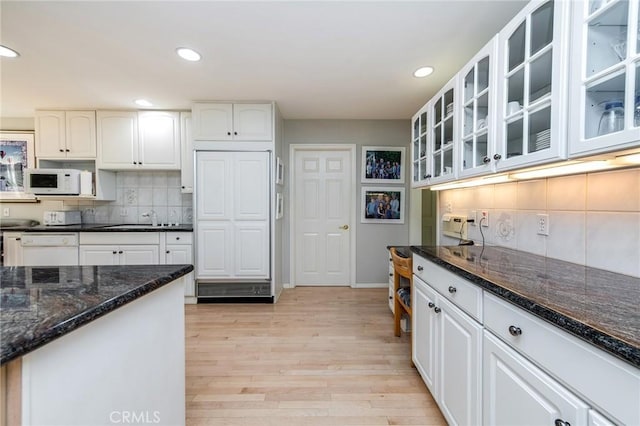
(594, 218)
(138, 193)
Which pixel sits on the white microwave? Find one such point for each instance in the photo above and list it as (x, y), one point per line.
(52, 181)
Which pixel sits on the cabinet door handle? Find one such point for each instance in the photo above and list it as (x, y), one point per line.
(61, 150)
(177, 238)
(431, 304)
(452, 289)
(390, 297)
(168, 252)
(497, 157)
(515, 331)
(486, 160)
(114, 252)
(120, 252)
(228, 133)
(419, 268)
(390, 274)
(135, 162)
(560, 422)
(66, 150)
(437, 310)
(235, 133)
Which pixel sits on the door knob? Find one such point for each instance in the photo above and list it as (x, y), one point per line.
(345, 227)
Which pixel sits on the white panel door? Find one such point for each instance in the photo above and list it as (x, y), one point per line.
(252, 122)
(99, 255)
(139, 255)
(81, 134)
(518, 393)
(251, 241)
(212, 121)
(178, 254)
(322, 204)
(460, 346)
(214, 254)
(117, 139)
(424, 333)
(214, 197)
(50, 134)
(159, 143)
(250, 186)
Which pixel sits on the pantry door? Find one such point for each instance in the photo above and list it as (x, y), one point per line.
(323, 203)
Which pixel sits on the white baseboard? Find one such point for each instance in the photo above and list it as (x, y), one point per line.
(190, 300)
(370, 285)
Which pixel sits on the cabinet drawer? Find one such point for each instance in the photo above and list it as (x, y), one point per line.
(179, 237)
(611, 384)
(119, 238)
(463, 294)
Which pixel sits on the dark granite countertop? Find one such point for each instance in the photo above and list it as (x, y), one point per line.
(106, 227)
(597, 306)
(40, 304)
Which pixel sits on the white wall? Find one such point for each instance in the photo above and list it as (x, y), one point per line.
(594, 218)
(372, 239)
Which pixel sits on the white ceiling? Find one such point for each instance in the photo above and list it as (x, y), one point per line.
(316, 59)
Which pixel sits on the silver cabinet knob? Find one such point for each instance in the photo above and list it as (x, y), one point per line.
(452, 289)
(515, 331)
(420, 268)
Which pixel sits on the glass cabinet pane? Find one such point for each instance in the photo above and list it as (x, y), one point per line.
(437, 116)
(437, 166)
(448, 101)
(416, 149)
(515, 88)
(423, 123)
(469, 86)
(447, 161)
(636, 98)
(514, 138)
(601, 103)
(416, 128)
(437, 137)
(467, 154)
(416, 171)
(448, 131)
(482, 111)
(482, 150)
(607, 38)
(468, 118)
(516, 47)
(541, 27)
(423, 145)
(540, 77)
(540, 130)
(483, 74)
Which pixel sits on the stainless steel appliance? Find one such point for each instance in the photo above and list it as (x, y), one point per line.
(71, 217)
(52, 181)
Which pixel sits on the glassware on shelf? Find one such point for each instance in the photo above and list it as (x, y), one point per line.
(612, 119)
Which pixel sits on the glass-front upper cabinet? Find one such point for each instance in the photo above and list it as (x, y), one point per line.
(443, 133)
(477, 106)
(605, 77)
(532, 80)
(420, 174)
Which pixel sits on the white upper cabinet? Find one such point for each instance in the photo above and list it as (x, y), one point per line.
(239, 122)
(477, 102)
(419, 158)
(443, 132)
(130, 140)
(65, 134)
(605, 77)
(532, 86)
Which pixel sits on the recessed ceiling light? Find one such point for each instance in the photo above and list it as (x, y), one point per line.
(8, 53)
(143, 103)
(423, 72)
(188, 54)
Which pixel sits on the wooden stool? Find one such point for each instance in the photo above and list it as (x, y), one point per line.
(402, 267)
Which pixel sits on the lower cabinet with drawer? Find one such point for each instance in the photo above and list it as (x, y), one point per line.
(447, 345)
(119, 248)
(177, 248)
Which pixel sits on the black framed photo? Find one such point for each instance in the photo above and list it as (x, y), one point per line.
(383, 164)
(382, 205)
(16, 155)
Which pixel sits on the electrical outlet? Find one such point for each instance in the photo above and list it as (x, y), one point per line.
(484, 214)
(543, 224)
(6, 212)
(449, 207)
(474, 217)
(123, 211)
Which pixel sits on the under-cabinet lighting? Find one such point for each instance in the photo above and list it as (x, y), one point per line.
(629, 159)
(143, 103)
(423, 72)
(568, 169)
(8, 53)
(188, 54)
(470, 183)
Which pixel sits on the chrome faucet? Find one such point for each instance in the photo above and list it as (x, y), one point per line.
(153, 215)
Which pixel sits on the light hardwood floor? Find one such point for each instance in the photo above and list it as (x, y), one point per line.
(320, 356)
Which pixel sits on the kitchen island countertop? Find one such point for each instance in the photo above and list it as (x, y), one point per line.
(598, 306)
(40, 304)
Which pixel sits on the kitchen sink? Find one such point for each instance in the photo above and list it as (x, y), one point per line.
(136, 226)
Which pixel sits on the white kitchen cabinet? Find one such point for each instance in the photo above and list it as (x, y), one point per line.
(119, 248)
(186, 142)
(419, 155)
(442, 150)
(532, 86)
(65, 134)
(232, 214)
(132, 140)
(177, 248)
(516, 392)
(239, 122)
(477, 106)
(391, 284)
(605, 77)
(12, 249)
(447, 352)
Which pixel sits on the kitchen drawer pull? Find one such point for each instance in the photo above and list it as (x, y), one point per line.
(431, 304)
(452, 289)
(560, 422)
(120, 252)
(420, 268)
(515, 331)
(114, 252)
(437, 310)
